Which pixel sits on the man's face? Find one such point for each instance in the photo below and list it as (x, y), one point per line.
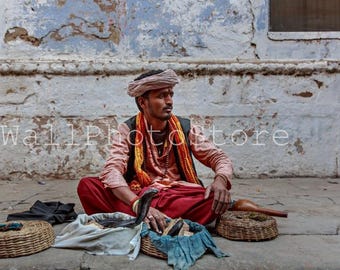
(158, 104)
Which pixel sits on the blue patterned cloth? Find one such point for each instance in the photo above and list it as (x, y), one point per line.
(11, 226)
(183, 251)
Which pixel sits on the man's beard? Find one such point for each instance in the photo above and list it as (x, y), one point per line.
(162, 118)
(166, 118)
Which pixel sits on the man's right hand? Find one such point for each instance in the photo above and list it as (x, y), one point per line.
(156, 220)
(222, 197)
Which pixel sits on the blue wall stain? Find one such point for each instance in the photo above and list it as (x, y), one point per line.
(170, 35)
(80, 25)
(225, 13)
(263, 18)
(167, 36)
(207, 13)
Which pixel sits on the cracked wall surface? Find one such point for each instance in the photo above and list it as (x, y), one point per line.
(150, 29)
(60, 126)
(271, 104)
(131, 29)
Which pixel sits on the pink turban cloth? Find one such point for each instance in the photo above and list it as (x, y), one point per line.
(158, 81)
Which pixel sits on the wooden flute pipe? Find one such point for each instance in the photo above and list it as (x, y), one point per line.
(247, 205)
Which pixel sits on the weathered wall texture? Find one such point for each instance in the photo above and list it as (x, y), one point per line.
(272, 105)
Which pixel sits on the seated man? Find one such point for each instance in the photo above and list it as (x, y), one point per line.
(154, 149)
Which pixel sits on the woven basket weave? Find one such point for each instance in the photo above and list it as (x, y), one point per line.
(34, 236)
(149, 249)
(246, 226)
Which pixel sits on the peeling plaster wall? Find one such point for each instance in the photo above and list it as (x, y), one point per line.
(125, 29)
(128, 29)
(272, 105)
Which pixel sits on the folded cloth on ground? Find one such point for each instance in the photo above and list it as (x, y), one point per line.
(52, 212)
(183, 251)
(83, 233)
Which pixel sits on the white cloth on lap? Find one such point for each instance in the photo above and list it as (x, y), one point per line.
(108, 241)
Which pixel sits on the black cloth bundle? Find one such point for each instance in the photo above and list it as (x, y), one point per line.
(52, 212)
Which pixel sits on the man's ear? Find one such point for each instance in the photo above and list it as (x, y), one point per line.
(141, 101)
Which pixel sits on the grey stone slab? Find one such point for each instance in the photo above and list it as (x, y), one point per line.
(308, 238)
(307, 224)
(49, 259)
(285, 252)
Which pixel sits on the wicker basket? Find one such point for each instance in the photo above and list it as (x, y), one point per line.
(149, 249)
(34, 236)
(246, 226)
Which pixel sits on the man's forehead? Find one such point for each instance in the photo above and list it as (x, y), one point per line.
(163, 89)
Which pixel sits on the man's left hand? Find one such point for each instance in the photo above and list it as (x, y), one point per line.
(222, 196)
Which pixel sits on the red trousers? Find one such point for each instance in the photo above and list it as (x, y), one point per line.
(182, 201)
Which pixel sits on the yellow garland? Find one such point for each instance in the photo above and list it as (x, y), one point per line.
(184, 155)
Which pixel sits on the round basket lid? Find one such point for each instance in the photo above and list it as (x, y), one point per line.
(33, 237)
(246, 226)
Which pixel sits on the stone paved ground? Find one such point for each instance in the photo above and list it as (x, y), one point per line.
(308, 239)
